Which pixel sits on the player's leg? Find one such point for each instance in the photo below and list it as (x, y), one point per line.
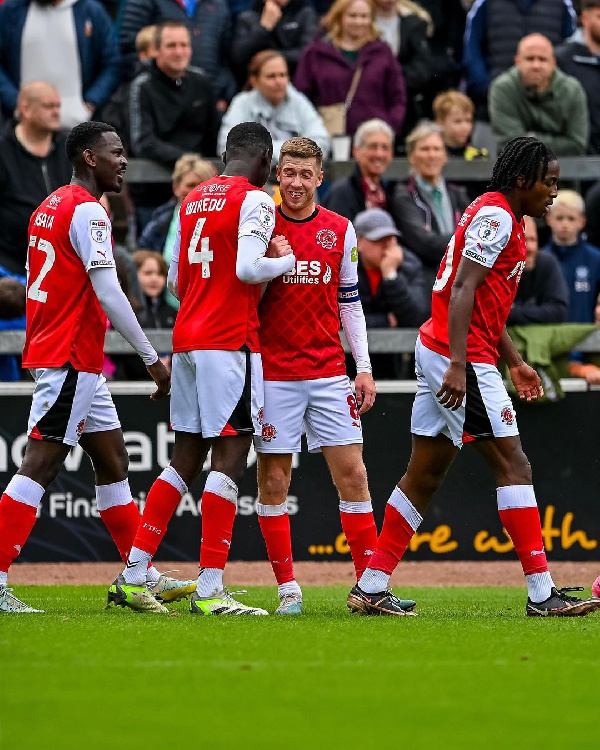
(274, 476)
(285, 404)
(520, 517)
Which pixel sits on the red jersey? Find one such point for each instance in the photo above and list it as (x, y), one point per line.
(489, 234)
(218, 311)
(299, 316)
(69, 234)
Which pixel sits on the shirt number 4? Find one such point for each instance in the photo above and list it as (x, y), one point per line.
(205, 255)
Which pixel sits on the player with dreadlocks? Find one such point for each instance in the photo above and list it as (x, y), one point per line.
(461, 397)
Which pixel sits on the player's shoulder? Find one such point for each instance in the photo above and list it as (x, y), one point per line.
(490, 207)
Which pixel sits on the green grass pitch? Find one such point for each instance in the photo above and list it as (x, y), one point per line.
(470, 672)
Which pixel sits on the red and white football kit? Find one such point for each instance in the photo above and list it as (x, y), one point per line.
(217, 373)
(303, 358)
(69, 234)
(488, 234)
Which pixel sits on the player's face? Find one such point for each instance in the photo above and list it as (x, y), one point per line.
(429, 157)
(110, 163)
(374, 155)
(357, 20)
(188, 182)
(298, 181)
(175, 51)
(151, 279)
(457, 126)
(273, 79)
(537, 200)
(565, 223)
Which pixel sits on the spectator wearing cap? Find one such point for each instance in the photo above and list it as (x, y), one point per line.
(579, 57)
(390, 282)
(426, 209)
(373, 151)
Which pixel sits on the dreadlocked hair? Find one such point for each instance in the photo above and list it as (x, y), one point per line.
(521, 157)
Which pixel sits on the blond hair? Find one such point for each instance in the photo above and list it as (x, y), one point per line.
(444, 102)
(423, 130)
(569, 199)
(193, 163)
(332, 21)
(302, 148)
(408, 8)
(145, 39)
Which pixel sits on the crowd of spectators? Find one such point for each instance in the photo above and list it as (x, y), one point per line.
(427, 80)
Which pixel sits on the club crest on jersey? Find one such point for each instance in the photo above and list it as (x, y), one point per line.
(507, 415)
(266, 216)
(268, 433)
(488, 229)
(326, 238)
(99, 230)
(54, 202)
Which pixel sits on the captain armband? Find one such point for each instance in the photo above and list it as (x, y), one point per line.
(348, 294)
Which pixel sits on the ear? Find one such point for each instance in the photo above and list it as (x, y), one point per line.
(89, 157)
(278, 168)
(320, 179)
(224, 157)
(520, 181)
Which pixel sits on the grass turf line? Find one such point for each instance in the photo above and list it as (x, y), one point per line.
(471, 671)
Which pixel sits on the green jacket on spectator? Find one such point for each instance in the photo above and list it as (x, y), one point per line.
(558, 116)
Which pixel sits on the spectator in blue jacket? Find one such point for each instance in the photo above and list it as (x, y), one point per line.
(580, 264)
(494, 29)
(70, 44)
(209, 24)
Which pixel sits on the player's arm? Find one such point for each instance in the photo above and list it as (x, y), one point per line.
(353, 322)
(90, 235)
(525, 379)
(485, 238)
(257, 220)
(174, 265)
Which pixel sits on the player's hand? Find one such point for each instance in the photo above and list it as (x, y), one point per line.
(162, 378)
(271, 15)
(454, 386)
(527, 382)
(364, 386)
(278, 247)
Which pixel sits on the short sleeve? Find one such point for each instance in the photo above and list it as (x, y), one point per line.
(91, 236)
(487, 235)
(257, 216)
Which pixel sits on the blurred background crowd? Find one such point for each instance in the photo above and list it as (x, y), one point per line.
(369, 80)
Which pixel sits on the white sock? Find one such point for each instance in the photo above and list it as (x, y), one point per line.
(373, 581)
(152, 575)
(137, 567)
(3, 577)
(539, 585)
(210, 582)
(291, 587)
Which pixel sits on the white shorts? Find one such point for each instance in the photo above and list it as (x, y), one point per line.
(67, 403)
(325, 407)
(216, 393)
(486, 412)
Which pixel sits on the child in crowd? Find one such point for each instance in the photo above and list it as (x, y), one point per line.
(580, 264)
(145, 43)
(454, 113)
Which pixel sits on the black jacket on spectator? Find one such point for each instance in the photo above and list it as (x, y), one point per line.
(542, 294)
(346, 196)
(592, 211)
(575, 59)
(418, 225)
(25, 180)
(417, 66)
(446, 45)
(296, 28)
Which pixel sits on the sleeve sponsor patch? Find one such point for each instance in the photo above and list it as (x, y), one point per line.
(488, 229)
(266, 216)
(354, 255)
(99, 230)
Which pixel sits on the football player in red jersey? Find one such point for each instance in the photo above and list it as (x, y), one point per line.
(72, 288)
(304, 368)
(460, 395)
(219, 262)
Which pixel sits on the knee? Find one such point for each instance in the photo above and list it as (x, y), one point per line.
(42, 470)
(273, 485)
(352, 481)
(515, 471)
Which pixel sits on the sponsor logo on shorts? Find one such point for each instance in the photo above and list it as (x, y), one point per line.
(507, 415)
(268, 433)
(326, 238)
(79, 428)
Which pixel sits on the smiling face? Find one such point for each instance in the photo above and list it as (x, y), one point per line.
(429, 157)
(537, 200)
(374, 155)
(272, 80)
(151, 278)
(357, 20)
(108, 160)
(175, 51)
(298, 180)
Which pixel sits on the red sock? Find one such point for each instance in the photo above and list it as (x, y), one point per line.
(361, 535)
(277, 536)
(122, 522)
(393, 541)
(218, 515)
(524, 528)
(161, 502)
(16, 521)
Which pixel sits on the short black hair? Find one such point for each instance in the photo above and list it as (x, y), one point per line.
(523, 156)
(85, 135)
(248, 139)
